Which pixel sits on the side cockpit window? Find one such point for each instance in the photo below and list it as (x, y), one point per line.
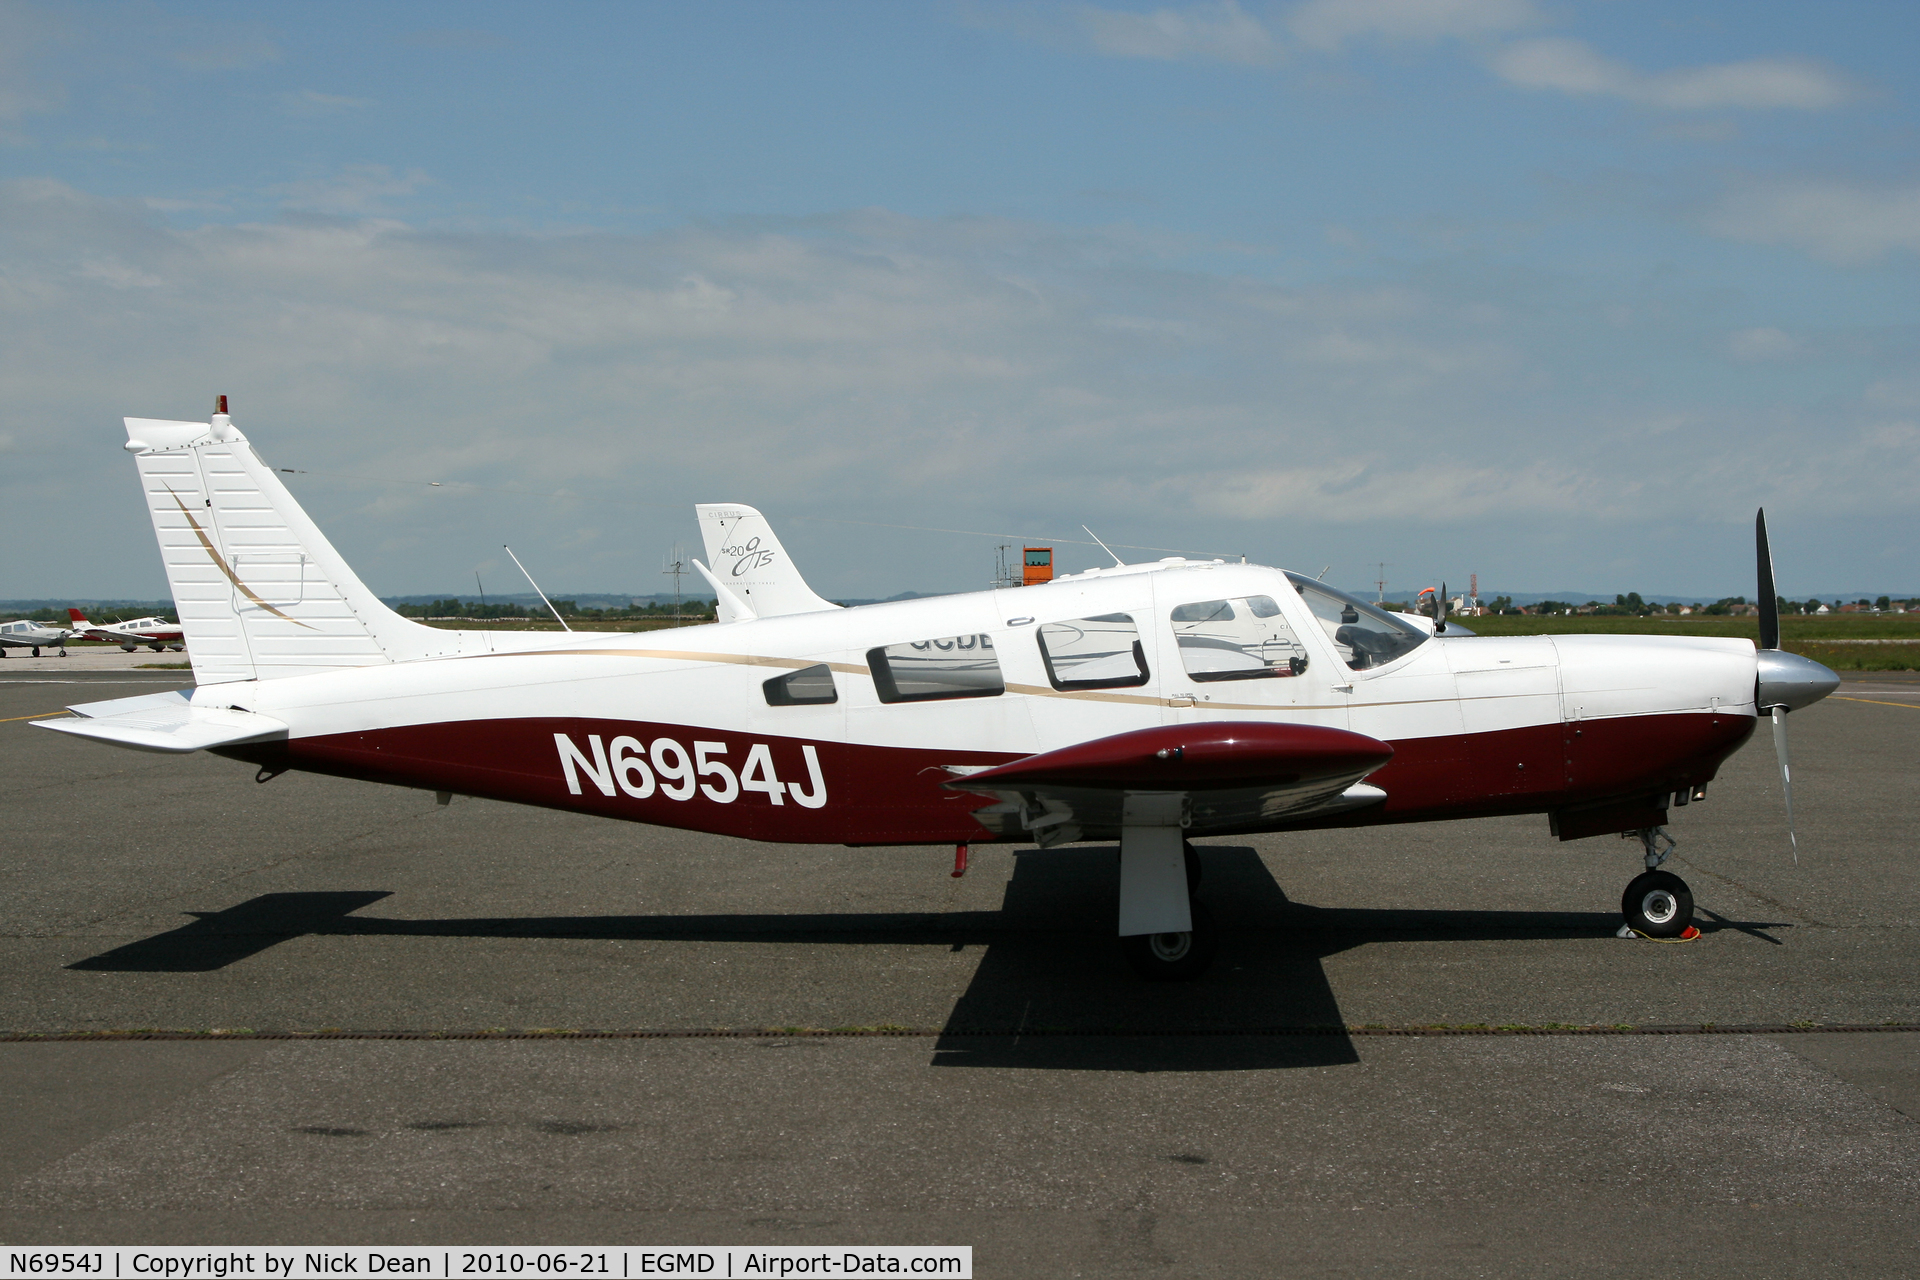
(1094, 653)
(1241, 639)
(1366, 636)
(808, 687)
(929, 670)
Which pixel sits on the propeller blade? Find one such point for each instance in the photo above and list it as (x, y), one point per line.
(1786, 774)
(1440, 609)
(1769, 600)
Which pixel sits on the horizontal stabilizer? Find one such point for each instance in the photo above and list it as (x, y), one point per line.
(165, 722)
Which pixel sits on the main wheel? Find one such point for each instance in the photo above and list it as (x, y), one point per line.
(1195, 872)
(36, 651)
(1173, 957)
(1658, 904)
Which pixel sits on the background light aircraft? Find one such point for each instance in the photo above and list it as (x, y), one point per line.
(1149, 703)
(156, 632)
(25, 634)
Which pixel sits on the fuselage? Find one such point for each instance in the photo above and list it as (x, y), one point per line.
(681, 728)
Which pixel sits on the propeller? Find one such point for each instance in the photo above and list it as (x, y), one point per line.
(1783, 680)
(1440, 610)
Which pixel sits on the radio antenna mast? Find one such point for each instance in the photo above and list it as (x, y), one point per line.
(675, 566)
(536, 589)
(1118, 563)
(1380, 585)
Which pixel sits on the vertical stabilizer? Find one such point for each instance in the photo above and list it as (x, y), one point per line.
(260, 592)
(751, 563)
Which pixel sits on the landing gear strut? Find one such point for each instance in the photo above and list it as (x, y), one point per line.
(1166, 935)
(1657, 903)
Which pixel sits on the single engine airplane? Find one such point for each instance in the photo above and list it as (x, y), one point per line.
(155, 632)
(1150, 704)
(27, 634)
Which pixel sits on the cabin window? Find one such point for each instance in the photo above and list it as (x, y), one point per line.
(1242, 639)
(926, 670)
(1366, 635)
(808, 687)
(1093, 653)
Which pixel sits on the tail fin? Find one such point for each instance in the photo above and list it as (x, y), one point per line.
(78, 617)
(261, 594)
(750, 561)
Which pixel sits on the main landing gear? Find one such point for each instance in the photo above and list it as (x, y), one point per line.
(1657, 903)
(1166, 934)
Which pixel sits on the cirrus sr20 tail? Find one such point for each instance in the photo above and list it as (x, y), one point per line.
(1149, 704)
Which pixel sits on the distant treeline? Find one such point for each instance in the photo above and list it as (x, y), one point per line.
(1631, 605)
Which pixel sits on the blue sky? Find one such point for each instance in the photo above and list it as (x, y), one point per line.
(1554, 293)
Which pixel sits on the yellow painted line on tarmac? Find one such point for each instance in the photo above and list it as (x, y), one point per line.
(38, 715)
(1876, 702)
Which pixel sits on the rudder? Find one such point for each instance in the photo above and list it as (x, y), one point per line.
(260, 592)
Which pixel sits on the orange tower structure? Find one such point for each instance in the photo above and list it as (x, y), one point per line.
(1036, 566)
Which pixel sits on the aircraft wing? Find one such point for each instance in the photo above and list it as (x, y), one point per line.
(1202, 777)
(165, 722)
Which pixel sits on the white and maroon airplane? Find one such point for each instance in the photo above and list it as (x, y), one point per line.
(155, 632)
(1150, 704)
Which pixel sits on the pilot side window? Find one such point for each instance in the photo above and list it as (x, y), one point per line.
(808, 687)
(1241, 639)
(927, 670)
(1366, 636)
(1094, 653)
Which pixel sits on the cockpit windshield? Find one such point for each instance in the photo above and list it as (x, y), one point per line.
(1366, 635)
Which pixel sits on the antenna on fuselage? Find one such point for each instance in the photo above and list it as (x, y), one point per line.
(536, 589)
(1118, 563)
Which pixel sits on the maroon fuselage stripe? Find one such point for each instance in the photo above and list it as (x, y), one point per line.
(893, 795)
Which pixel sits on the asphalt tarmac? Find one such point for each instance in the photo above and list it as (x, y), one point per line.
(1033, 1100)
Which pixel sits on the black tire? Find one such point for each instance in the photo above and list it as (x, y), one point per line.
(36, 651)
(1195, 872)
(1658, 904)
(1174, 957)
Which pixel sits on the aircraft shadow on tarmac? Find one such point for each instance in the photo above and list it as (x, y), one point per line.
(1050, 990)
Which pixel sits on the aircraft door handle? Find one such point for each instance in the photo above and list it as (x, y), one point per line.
(1343, 688)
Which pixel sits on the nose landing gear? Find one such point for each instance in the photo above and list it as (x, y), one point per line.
(1657, 904)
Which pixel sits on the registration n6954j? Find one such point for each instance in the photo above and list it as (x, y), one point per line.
(666, 767)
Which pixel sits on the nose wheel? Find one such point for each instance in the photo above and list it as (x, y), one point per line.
(1658, 904)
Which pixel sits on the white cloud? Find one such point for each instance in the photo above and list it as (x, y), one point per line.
(1220, 32)
(308, 102)
(1840, 222)
(969, 373)
(238, 51)
(358, 189)
(1575, 67)
(111, 271)
(1328, 24)
(25, 89)
(1762, 344)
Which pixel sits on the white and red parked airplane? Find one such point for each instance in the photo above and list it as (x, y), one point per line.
(1150, 703)
(155, 632)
